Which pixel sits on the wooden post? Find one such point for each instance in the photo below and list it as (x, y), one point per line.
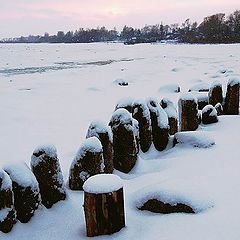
(160, 126)
(104, 134)
(215, 94)
(87, 162)
(103, 205)
(171, 111)
(26, 191)
(209, 115)
(142, 114)
(126, 103)
(46, 168)
(231, 105)
(188, 112)
(124, 140)
(7, 211)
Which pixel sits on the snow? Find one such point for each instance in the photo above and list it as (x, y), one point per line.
(170, 109)
(22, 175)
(210, 108)
(216, 84)
(103, 183)
(188, 97)
(47, 149)
(121, 116)
(97, 127)
(63, 101)
(233, 81)
(124, 102)
(173, 195)
(172, 88)
(91, 144)
(6, 181)
(195, 139)
(200, 87)
(144, 108)
(3, 213)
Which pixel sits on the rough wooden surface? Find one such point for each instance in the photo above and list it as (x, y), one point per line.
(104, 213)
(231, 105)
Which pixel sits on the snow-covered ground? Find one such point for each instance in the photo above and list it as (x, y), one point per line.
(51, 94)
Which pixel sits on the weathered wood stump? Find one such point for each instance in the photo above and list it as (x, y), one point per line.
(103, 205)
(209, 115)
(215, 94)
(124, 141)
(171, 111)
(202, 101)
(231, 105)
(160, 126)
(142, 114)
(126, 103)
(87, 162)
(46, 168)
(104, 134)
(188, 112)
(219, 109)
(7, 211)
(26, 191)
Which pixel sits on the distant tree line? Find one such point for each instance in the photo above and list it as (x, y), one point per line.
(217, 28)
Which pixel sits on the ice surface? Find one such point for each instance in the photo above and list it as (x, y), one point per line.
(59, 108)
(103, 183)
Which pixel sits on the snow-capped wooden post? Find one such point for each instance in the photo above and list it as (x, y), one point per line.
(103, 205)
(231, 105)
(26, 191)
(126, 103)
(7, 211)
(104, 134)
(171, 111)
(46, 168)
(142, 114)
(160, 127)
(124, 140)
(87, 162)
(209, 115)
(215, 94)
(188, 112)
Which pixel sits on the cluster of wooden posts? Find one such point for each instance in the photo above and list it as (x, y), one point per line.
(134, 127)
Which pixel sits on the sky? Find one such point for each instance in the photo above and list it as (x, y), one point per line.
(24, 17)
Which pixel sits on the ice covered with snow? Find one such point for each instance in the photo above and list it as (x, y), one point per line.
(103, 183)
(198, 139)
(22, 175)
(171, 88)
(45, 97)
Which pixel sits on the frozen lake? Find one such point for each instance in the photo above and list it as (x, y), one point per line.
(50, 93)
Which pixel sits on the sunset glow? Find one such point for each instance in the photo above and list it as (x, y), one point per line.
(37, 17)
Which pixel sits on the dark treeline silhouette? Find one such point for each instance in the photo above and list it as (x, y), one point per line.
(217, 28)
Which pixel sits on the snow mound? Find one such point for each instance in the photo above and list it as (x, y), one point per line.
(121, 116)
(49, 150)
(171, 88)
(103, 183)
(169, 108)
(172, 195)
(195, 139)
(6, 182)
(91, 144)
(121, 82)
(97, 127)
(211, 109)
(233, 81)
(22, 175)
(200, 87)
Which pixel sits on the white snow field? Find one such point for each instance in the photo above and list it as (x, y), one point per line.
(49, 94)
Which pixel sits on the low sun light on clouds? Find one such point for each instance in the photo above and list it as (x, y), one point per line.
(39, 16)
